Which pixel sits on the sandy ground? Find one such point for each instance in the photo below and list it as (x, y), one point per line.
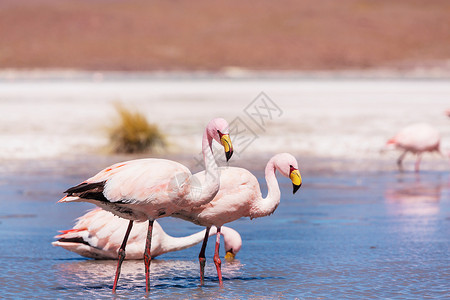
(348, 119)
(204, 35)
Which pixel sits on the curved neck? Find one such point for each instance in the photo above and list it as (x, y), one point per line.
(266, 206)
(179, 243)
(211, 183)
(208, 155)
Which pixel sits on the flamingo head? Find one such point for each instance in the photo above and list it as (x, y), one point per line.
(219, 130)
(232, 242)
(287, 165)
(392, 142)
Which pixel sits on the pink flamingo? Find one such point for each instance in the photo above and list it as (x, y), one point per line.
(417, 139)
(98, 234)
(147, 189)
(240, 196)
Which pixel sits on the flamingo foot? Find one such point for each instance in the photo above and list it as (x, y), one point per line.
(217, 260)
(218, 264)
(147, 260)
(201, 256)
(417, 165)
(148, 256)
(202, 261)
(119, 266)
(121, 255)
(400, 160)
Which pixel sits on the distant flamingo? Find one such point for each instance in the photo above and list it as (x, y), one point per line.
(147, 189)
(417, 139)
(447, 112)
(98, 234)
(240, 196)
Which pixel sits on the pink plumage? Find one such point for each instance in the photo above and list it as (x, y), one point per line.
(98, 234)
(240, 196)
(417, 139)
(147, 189)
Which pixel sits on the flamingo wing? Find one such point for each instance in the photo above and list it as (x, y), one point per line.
(143, 180)
(98, 234)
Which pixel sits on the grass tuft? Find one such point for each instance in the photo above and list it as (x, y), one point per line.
(133, 133)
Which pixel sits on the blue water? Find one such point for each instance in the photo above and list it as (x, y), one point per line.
(344, 235)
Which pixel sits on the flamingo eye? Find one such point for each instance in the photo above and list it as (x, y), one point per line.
(220, 133)
(291, 168)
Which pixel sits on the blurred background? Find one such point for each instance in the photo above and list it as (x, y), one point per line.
(347, 75)
(136, 35)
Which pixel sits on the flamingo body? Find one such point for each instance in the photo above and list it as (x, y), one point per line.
(238, 190)
(240, 196)
(133, 190)
(147, 189)
(98, 234)
(417, 139)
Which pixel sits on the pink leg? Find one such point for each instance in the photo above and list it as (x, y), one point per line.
(217, 257)
(400, 160)
(201, 256)
(121, 255)
(419, 158)
(148, 255)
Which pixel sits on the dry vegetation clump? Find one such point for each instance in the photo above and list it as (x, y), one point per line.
(134, 134)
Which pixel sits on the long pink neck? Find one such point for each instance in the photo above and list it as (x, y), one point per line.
(208, 156)
(179, 243)
(266, 206)
(211, 182)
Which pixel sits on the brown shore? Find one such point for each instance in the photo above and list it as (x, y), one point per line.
(139, 35)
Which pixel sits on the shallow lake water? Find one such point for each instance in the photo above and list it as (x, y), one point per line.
(344, 235)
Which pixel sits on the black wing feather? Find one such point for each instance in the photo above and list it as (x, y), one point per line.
(86, 187)
(89, 191)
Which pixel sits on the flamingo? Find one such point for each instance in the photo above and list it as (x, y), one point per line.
(417, 139)
(98, 234)
(147, 189)
(240, 196)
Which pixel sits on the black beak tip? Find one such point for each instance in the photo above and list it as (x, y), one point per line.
(228, 154)
(296, 187)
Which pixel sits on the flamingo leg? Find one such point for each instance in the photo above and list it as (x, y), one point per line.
(217, 258)
(148, 255)
(400, 160)
(122, 255)
(201, 256)
(419, 158)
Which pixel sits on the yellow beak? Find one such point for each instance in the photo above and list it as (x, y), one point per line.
(226, 143)
(230, 255)
(296, 179)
